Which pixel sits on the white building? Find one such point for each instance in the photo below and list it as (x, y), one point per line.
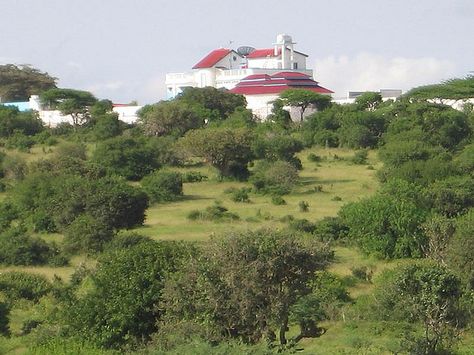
(224, 68)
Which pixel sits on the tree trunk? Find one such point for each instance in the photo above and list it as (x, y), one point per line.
(283, 330)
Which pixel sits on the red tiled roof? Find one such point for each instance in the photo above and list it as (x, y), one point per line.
(277, 83)
(212, 58)
(262, 53)
(267, 52)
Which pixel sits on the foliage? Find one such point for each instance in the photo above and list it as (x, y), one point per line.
(459, 251)
(19, 285)
(14, 167)
(360, 157)
(241, 195)
(107, 126)
(20, 249)
(303, 206)
(453, 195)
(76, 103)
(274, 178)
(12, 120)
(163, 186)
(193, 176)
(87, 234)
(228, 150)
(244, 284)
(331, 228)
(456, 89)
(219, 103)
(303, 99)
(4, 312)
(18, 83)
(125, 303)
(386, 227)
(273, 147)
(129, 157)
(439, 231)
(216, 212)
(431, 293)
(170, 118)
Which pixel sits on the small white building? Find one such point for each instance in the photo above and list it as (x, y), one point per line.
(224, 68)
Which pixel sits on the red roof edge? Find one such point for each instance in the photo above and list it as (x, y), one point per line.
(212, 58)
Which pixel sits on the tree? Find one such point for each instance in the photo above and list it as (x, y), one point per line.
(218, 102)
(303, 99)
(368, 101)
(129, 157)
(431, 294)
(228, 150)
(18, 83)
(278, 146)
(12, 121)
(87, 234)
(162, 186)
(276, 178)
(170, 118)
(76, 103)
(124, 304)
(459, 251)
(245, 284)
(385, 226)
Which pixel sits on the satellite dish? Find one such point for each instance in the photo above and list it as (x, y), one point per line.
(245, 50)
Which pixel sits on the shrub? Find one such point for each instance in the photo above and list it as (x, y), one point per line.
(132, 158)
(303, 206)
(331, 228)
(21, 249)
(302, 225)
(14, 167)
(336, 198)
(127, 240)
(23, 285)
(314, 158)
(193, 176)
(20, 141)
(326, 138)
(278, 200)
(163, 186)
(216, 212)
(360, 157)
(241, 195)
(275, 178)
(386, 227)
(453, 196)
(87, 234)
(4, 311)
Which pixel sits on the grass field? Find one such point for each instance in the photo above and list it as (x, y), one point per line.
(336, 176)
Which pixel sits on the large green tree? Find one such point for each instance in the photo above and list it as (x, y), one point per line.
(18, 83)
(302, 99)
(228, 150)
(76, 103)
(245, 284)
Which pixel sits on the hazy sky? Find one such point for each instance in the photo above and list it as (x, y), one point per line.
(122, 49)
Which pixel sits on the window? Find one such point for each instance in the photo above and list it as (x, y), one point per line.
(295, 65)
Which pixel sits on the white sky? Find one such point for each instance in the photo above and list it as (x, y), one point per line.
(122, 49)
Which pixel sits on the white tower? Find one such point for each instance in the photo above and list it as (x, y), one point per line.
(283, 43)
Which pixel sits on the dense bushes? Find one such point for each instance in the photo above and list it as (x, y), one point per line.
(24, 285)
(87, 234)
(274, 178)
(129, 157)
(385, 226)
(162, 186)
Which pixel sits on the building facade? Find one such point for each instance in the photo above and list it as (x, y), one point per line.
(225, 68)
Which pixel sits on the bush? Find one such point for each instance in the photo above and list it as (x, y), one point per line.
(314, 158)
(386, 227)
(23, 285)
(20, 141)
(326, 138)
(193, 176)
(14, 167)
(303, 206)
(331, 228)
(163, 186)
(241, 195)
(278, 200)
(302, 225)
(360, 157)
(453, 196)
(128, 157)
(87, 234)
(274, 178)
(215, 212)
(4, 311)
(127, 240)
(20, 249)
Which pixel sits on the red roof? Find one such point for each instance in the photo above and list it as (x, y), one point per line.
(267, 52)
(212, 58)
(262, 53)
(277, 83)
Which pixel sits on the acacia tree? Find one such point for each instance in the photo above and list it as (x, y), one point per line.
(245, 284)
(76, 103)
(18, 83)
(170, 118)
(228, 150)
(303, 99)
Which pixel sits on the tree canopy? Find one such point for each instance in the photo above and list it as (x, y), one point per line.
(303, 99)
(18, 83)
